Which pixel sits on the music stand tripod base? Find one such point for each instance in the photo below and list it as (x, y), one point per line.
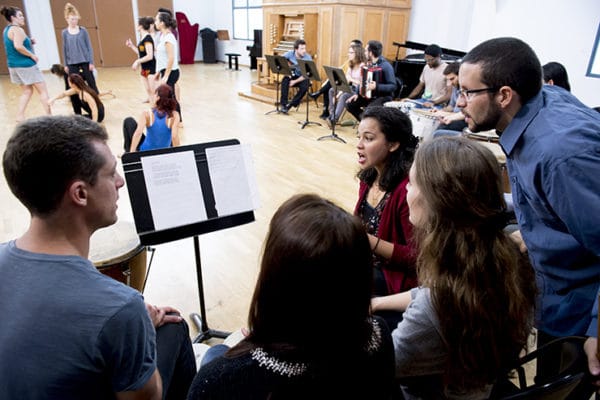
(333, 136)
(204, 332)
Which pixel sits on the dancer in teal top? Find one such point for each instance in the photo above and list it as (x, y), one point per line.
(22, 62)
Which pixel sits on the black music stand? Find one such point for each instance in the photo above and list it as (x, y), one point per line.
(309, 71)
(338, 81)
(278, 65)
(145, 221)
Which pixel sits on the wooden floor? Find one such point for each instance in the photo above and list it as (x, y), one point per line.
(287, 160)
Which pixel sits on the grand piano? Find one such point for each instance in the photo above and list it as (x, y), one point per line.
(409, 68)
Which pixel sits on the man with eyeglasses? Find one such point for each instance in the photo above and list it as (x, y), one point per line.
(552, 146)
(431, 88)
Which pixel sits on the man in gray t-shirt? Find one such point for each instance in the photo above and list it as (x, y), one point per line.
(71, 332)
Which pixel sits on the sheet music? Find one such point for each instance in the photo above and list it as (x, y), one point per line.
(233, 181)
(174, 191)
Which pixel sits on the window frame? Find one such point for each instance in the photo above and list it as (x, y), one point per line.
(593, 69)
(247, 7)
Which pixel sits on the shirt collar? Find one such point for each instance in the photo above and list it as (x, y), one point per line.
(520, 121)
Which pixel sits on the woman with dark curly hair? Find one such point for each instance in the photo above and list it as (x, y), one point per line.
(161, 123)
(473, 313)
(386, 147)
(22, 61)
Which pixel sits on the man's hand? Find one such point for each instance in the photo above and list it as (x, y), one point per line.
(591, 348)
(159, 315)
(518, 239)
(352, 98)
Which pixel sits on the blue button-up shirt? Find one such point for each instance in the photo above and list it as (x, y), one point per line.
(291, 57)
(553, 159)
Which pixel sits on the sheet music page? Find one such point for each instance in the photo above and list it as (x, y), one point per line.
(233, 180)
(174, 190)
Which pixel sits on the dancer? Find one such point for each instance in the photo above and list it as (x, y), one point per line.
(145, 53)
(161, 123)
(87, 98)
(77, 48)
(167, 64)
(22, 62)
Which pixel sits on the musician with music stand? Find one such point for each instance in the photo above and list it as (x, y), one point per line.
(278, 65)
(382, 85)
(338, 81)
(309, 71)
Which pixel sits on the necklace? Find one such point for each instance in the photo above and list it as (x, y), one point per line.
(375, 194)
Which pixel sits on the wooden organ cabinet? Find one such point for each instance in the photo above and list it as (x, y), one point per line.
(328, 26)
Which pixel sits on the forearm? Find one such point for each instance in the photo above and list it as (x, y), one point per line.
(443, 99)
(396, 302)
(23, 50)
(381, 247)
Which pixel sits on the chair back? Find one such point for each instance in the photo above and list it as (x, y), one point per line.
(571, 376)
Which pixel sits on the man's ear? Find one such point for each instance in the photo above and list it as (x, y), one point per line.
(77, 193)
(506, 96)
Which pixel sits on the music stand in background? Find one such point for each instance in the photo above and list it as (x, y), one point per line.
(277, 65)
(309, 71)
(338, 81)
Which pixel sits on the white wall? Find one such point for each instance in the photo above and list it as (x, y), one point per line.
(557, 30)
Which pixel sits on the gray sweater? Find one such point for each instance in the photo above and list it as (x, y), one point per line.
(421, 353)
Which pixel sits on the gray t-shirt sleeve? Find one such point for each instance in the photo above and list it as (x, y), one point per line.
(127, 345)
(418, 344)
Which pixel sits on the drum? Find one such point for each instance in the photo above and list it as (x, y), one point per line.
(116, 252)
(501, 158)
(404, 106)
(424, 122)
(485, 136)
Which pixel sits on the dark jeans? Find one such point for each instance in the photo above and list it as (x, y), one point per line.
(129, 127)
(357, 106)
(175, 359)
(285, 88)
(83, 69)
(325, 92)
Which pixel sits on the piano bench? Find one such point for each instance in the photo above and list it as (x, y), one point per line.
(233, 56)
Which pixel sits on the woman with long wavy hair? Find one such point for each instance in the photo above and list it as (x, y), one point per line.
(87, 98)
(473, 313)
(161, 124)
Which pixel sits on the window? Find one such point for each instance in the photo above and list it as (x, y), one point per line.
(594, 65)
(247, 16)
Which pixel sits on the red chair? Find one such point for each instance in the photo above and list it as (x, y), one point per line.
(188, 38)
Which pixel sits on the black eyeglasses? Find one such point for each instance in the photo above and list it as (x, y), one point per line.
(469, 94)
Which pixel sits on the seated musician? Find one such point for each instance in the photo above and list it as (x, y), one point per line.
(296, 79)
(377, 91)
(452, 120)
(432, 83)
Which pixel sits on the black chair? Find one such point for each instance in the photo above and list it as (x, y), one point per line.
(572, 376)
(399, 88)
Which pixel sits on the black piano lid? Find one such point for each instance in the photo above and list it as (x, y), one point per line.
(420, 46)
